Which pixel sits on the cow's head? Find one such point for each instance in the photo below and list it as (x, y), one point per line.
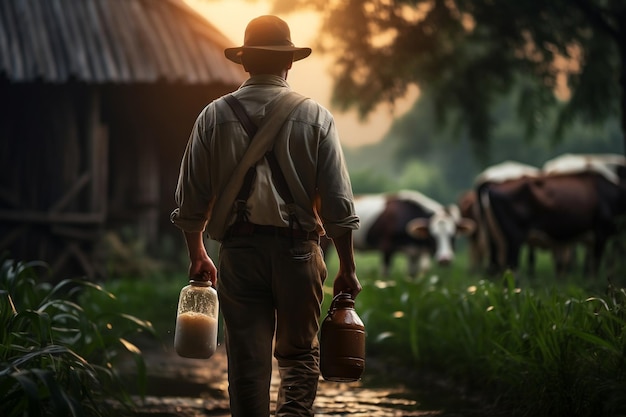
(443, 226)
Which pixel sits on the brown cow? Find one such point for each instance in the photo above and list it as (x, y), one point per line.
(562, 208)
(486, 245)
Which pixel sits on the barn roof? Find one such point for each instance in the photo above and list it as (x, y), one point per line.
(111, 41)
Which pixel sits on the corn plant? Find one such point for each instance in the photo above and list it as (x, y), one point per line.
(55, 359)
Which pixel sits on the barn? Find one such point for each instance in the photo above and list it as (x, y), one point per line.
(97, 100)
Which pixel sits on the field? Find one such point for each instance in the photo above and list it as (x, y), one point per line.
(537, 346)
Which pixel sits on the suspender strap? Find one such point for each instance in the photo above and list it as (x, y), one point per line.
(242, 115)
(268, 129)
(246, 187)
(277, 174)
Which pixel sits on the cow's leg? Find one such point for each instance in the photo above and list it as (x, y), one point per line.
(386, 267)
(513, 250)
(412, 256)
(425, 261)
(496, 242)
(474, 255)
(495, 265)
(412, 261)
(531, 260)
(563, 256)
(595, 260)
(478, 252)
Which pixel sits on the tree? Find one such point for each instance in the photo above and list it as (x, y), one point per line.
(468, 53)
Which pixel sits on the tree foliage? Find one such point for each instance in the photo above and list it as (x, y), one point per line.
(467, 53)
(438, 162)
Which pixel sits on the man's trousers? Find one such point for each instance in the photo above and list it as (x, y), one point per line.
(271, 288)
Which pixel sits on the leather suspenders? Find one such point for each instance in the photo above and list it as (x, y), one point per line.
(277, 174)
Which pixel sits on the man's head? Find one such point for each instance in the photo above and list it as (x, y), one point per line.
(267, 46)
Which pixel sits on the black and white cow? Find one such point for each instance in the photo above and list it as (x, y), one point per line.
(410, 222)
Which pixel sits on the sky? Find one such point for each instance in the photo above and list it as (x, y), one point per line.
(310, 76)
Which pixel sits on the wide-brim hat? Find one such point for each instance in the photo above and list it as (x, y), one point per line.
(267, 33)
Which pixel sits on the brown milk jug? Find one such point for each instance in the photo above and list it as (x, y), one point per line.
(342, 342)
(195, 335)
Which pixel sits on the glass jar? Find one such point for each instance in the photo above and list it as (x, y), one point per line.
(196, 321)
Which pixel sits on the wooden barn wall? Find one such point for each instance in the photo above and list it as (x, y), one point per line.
(52, 174)
(149, 128)
(77, 160)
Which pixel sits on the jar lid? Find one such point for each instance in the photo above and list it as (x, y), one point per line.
(198, 283)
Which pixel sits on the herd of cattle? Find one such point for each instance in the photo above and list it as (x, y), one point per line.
(573, 199)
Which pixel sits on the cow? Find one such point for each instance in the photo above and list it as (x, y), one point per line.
(484, 244)
(561, 206)
(610, 166)
(410, 222)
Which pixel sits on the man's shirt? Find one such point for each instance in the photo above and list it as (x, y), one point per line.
(308, 151)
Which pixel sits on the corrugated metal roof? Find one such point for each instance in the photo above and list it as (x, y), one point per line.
(111, 41)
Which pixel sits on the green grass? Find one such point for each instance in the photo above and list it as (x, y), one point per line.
(550, 347)
(541, 346)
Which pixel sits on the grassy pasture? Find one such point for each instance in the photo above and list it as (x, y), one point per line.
(540, 346)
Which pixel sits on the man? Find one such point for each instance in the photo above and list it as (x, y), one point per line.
(271, 269)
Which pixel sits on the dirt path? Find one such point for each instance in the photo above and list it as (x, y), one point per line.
(193, 388)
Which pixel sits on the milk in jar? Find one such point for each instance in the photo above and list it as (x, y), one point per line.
(195, 335)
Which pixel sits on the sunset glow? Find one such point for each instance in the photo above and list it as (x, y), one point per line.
(311, 76)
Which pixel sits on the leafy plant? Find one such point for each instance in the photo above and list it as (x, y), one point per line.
(542, 351)
(55, 359)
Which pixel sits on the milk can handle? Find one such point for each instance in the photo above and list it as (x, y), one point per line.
(332, 308)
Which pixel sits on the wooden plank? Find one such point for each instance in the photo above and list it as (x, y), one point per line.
(78, 233)
(101, 171)
(78, 185)
(72, 250)
(97, 142)
(84, 260)
(148, 193)
(60, 260)
(31, 216)
(8, 238)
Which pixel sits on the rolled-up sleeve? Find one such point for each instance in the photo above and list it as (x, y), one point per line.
(193, 191)
(334, 186)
